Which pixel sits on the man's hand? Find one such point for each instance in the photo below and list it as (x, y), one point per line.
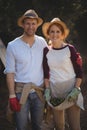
(47, 94)
(14, 104)
(73, 95)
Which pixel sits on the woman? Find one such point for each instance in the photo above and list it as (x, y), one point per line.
(63, 73)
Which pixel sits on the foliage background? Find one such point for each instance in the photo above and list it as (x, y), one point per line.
(73, 12)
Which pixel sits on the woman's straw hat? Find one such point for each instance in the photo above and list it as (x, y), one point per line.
(29, 14)
(47, 25)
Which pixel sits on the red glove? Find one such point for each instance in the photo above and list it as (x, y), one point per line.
(14, 104)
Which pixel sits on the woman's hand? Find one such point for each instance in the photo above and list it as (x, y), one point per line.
(73, 95)
(47, 94)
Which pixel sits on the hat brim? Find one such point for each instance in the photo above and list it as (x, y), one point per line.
(21, 19)
(46, 26)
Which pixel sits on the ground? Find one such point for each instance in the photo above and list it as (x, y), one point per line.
(84, 113)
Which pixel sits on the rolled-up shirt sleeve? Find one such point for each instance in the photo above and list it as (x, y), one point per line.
(10, 60)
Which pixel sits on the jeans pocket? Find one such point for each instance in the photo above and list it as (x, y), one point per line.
(18, 95)
(33, 95)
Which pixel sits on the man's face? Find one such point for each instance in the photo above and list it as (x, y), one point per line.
(30, 26)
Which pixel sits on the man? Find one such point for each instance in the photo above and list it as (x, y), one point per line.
(24, 72)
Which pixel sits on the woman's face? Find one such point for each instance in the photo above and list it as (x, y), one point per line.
(55, 34)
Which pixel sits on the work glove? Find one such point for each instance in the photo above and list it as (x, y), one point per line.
(73, 95)
(14, 104)
(47, 94)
